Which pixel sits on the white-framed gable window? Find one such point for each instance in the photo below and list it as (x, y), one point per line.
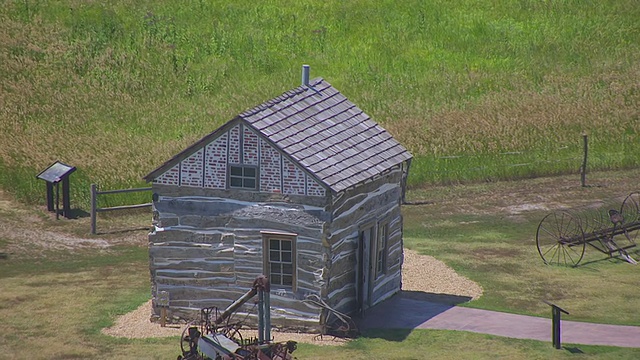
(279, 251)
(243, 177)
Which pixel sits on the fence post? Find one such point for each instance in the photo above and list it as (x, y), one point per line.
(94, 203)
(583, 168)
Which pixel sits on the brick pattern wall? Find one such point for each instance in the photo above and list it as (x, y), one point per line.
(215, 171)
(250, 147)
(169, 177)
(191, 170)
(234, 145)
(270, 168)
(313, 188)
(292, 178)
(208, 166)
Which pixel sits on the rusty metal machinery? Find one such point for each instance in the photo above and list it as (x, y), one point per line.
(217, 336)
(562, 236)
(337, 324)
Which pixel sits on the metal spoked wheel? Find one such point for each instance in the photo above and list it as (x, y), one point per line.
(187, 342)
(630, 211)
(560, 239)
(630, 208)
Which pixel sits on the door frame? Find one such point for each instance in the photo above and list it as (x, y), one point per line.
(364, 266)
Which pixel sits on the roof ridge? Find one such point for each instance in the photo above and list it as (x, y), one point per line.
(283, 97)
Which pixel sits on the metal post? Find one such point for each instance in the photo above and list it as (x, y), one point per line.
(555, 324)
(261, 316)
(50, 206)
(583, 168)
(267, 315)
(94, 203)
(66, 198)
(57, 200)
(305, 75)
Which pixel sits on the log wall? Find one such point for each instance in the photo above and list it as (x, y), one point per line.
(377, 203)
(206, 248)
(208, 251)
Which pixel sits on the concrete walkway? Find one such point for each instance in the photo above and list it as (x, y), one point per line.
(404, 313)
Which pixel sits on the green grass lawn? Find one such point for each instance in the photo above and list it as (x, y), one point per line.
(476, 91)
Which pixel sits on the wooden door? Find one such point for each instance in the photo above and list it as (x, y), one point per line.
(364, 268)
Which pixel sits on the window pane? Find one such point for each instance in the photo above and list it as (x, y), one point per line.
(276, 279)
(274, 255)
(286, 257)
(250, 183)
(236, 182)
(236, 170)
(287, 280)
(274, 244)
(287, 269)
(276, 268)
(286, 245)
(249, 172)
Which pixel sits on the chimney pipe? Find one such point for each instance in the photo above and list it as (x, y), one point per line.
(305, 75)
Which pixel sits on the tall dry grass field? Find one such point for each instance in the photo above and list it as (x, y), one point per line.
(476, 91)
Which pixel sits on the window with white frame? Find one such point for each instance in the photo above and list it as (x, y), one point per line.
(280, 259)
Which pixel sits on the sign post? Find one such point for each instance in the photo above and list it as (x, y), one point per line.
(555, 323)
(53, 175)
(163, 302)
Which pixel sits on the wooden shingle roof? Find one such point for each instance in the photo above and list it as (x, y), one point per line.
(322, 131)
(326, 134)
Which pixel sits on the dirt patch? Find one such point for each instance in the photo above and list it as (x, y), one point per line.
(136, 325)
(27, 232)
(483, 254)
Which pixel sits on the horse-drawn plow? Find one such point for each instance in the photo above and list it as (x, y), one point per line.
(562, 236)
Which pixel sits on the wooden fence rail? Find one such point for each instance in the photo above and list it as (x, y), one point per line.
(94, 203)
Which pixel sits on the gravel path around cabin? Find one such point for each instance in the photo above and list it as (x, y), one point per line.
(417, 277)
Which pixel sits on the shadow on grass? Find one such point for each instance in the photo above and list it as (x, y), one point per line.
(614, 259)
(73, 214)
(573, 350)
(395, 318)
(78, 213)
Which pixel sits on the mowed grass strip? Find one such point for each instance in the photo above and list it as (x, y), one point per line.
(116, 89)
(56, 310)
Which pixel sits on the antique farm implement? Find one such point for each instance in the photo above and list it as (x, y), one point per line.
(563, 235)
(218, 337)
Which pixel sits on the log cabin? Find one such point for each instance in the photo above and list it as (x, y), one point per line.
(305, 188)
